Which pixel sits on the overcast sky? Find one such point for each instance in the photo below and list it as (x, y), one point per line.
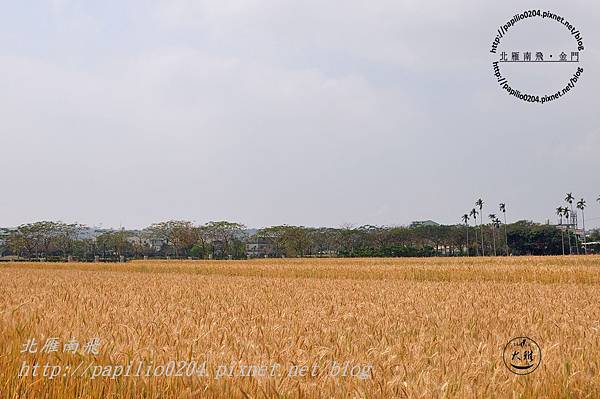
(124, 113)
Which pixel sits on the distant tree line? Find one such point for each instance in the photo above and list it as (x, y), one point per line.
(173, 238)
(531, 239)
(229, 240)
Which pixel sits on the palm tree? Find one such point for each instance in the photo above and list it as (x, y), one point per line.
(581, 205)
(559, 212)
(566, 215)
(569, 198)
(496, 222)
(503, 210)
(465, 219)
(474, 214)
(492, 217)
(479, 203)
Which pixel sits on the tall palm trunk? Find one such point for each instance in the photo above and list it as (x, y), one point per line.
(476, 242)
(467, 239)
(562, 231)
(494, 239)
(481, 227)
(569, 237)
(505, 235)
(584, 237)
(575, 231)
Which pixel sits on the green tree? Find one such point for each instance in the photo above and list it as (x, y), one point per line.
(581, 206)
(503, 210)
(528, 238)
(566, 215)
(67, 235)
(39, 238)
(492, 217)
(560, 212)
(479, 203)
(276, 236)
(569, 199)
(178, 235)
(474, 214)
(465, 219)
(225, 238)
(116, 243)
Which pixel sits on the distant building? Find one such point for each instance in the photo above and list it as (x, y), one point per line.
(156, 244)
(421, 223)
(91, 233)
(570, 228)
(259, 247)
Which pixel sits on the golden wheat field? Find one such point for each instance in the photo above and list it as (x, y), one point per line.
(394, 328)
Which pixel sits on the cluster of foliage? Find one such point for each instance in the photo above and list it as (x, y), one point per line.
(174, 238)
(521, 238)
(43, 239)
(228, 240)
